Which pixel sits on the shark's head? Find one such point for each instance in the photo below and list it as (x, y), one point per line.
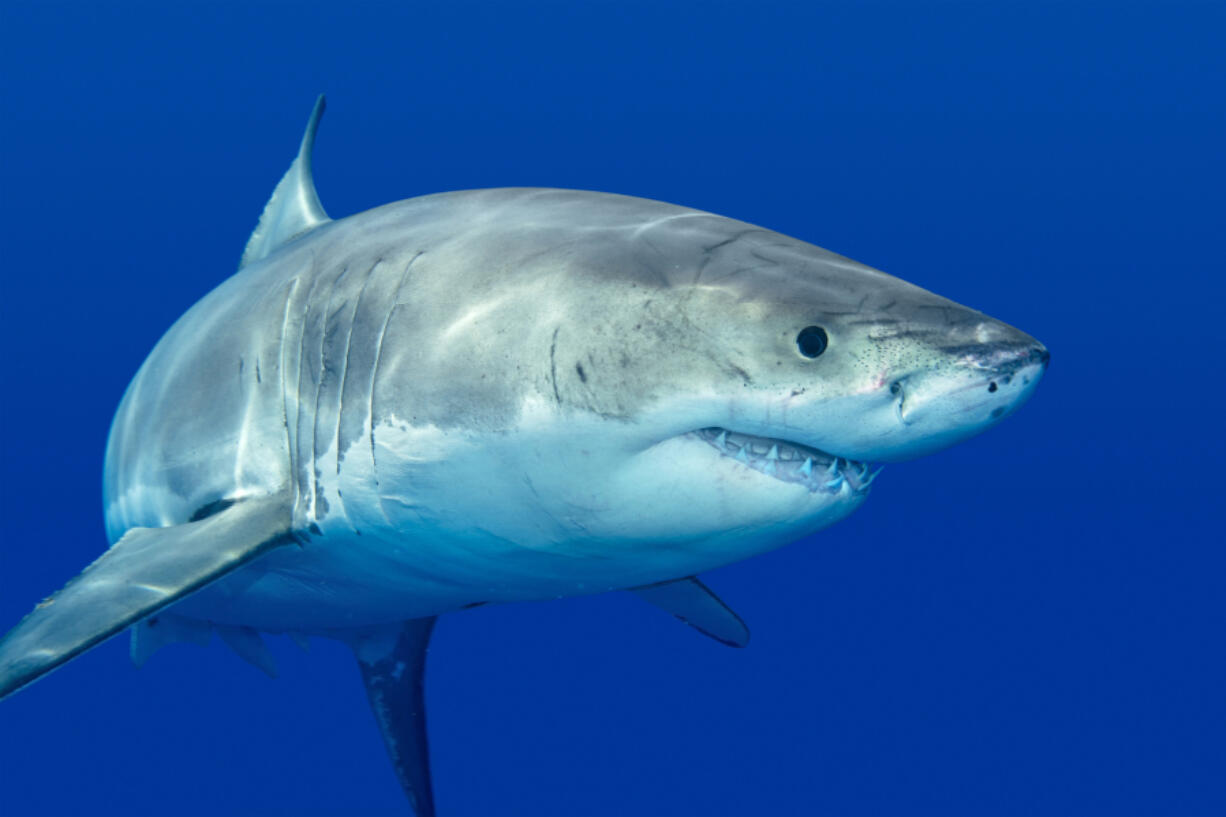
(713, 388)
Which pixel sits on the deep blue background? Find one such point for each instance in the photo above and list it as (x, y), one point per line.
(1028, 624)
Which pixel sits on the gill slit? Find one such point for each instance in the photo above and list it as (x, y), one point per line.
(340, 405)
(289, 443)
(322, 370)
(374, 376)
(296, 448)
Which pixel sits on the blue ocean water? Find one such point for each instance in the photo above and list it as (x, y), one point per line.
(1030, 623)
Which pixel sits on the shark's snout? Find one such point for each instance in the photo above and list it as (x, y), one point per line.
(975, 389)
(1027, 361)
(1007, 358)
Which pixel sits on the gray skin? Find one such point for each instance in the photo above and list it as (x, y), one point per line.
(462, 314)
(501, 395)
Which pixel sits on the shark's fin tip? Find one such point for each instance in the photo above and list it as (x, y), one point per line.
(294, 208)
(146, 570)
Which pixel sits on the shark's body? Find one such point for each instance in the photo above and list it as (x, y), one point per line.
(343, 366)
(502, 395)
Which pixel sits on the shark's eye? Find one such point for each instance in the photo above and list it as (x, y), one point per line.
(812, 341)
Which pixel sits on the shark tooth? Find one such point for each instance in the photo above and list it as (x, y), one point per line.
(807, 468)
(722, 439)
(773, 454)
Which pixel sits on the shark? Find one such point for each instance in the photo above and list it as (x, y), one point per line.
(501, 395)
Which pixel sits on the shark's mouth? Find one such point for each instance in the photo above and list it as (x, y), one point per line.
(791, 462)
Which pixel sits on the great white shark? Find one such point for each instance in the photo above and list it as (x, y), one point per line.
(501, 395)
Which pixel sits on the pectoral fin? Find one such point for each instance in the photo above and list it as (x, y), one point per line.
(143, 572)
(693, 602)
(393, 663)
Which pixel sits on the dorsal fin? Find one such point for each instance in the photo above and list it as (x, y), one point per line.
(294, 208)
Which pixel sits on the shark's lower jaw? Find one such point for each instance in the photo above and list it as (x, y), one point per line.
(791, 462)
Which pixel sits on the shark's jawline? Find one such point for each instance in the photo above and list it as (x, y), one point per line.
(788, 461)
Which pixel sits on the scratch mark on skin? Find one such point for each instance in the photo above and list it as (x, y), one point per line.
(665, 283)
(877, 322)
(553, 365)
(946, 312)
(735, 236)
(767, 261)
(579, 370)
(708, 253)
(744, 375)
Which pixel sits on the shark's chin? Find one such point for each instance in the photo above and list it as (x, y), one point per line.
(813, 469)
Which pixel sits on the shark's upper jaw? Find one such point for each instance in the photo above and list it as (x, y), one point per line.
(811, 468)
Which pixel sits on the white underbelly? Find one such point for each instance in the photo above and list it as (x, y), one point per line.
(330, 583)
(340, 581)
